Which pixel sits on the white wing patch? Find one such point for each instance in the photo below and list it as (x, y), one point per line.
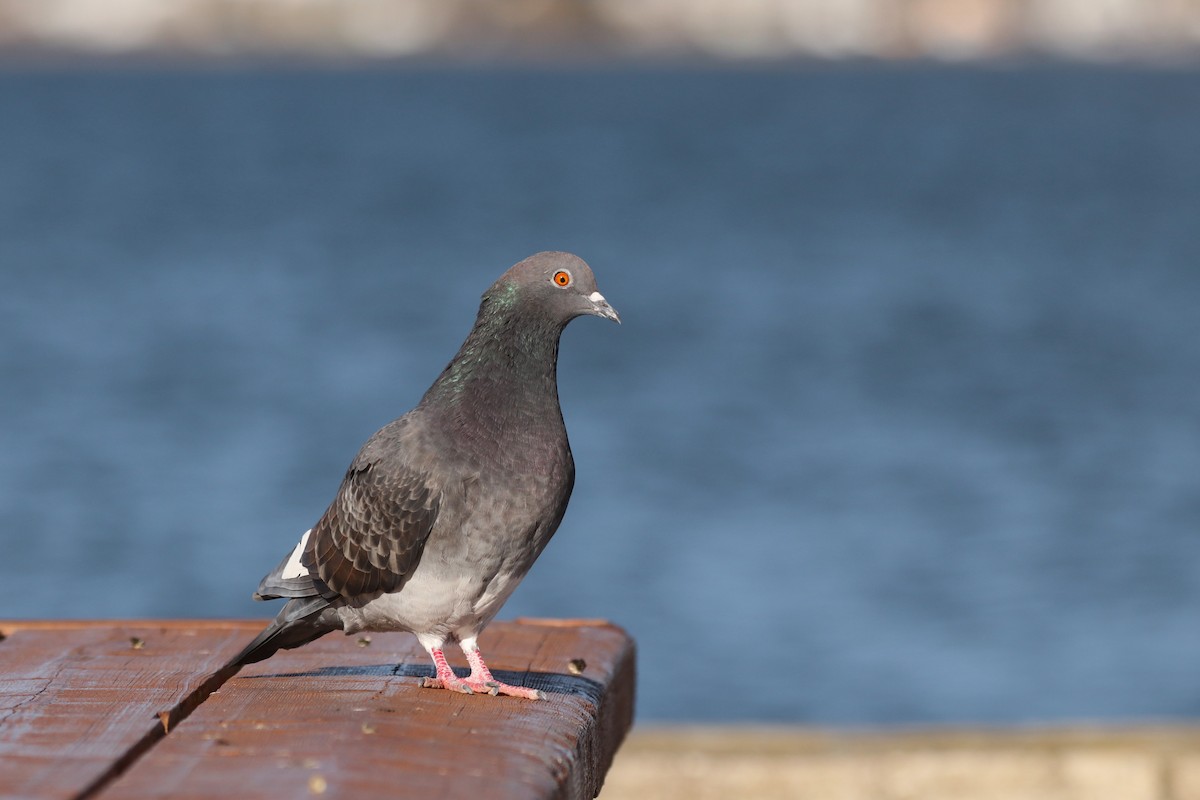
(293, 568)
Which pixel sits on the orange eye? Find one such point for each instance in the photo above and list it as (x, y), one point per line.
(562, 278)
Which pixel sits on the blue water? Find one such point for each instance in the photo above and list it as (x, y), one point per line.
(902, 424)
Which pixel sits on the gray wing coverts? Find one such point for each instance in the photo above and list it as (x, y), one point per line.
(371, 537)
(368, 542)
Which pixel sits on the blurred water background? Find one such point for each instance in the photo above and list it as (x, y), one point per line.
(901, 425)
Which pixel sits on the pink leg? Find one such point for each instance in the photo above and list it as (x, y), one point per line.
(482, 676)
(480, 680)
(446, 679)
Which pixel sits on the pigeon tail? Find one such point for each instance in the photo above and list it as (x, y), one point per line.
(299, 622)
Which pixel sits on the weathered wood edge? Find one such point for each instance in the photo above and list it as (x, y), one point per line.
(595, 747)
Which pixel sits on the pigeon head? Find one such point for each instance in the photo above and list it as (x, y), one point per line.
(554, 286)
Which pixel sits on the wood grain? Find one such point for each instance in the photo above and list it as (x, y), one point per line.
(341, 717)
(77, 700)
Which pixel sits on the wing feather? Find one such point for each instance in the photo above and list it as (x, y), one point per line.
(371, 537)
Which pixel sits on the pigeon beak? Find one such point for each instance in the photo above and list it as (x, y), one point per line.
(601, 308)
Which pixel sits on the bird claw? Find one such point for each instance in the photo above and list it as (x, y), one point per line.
(437, 683)
(517, 691)
(493, 688)
(479, 681)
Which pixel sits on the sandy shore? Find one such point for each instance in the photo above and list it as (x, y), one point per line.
(1077, 763)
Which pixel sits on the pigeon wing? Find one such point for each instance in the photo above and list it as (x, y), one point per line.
(371, 537)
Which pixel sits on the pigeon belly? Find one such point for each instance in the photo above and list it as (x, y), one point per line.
(433, 603)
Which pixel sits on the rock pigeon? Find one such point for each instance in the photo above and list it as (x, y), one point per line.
(445, 509)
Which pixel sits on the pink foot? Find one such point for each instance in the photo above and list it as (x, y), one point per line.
(492, 687)
(480, 681)
(453, 684)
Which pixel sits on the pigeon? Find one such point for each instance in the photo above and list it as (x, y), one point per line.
(444, 510)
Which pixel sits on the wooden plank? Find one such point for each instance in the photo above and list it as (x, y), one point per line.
(79, 700)
(80, 706)
(344, 718)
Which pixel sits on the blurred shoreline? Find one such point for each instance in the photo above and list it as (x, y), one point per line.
(1097, 762)
(594, 30)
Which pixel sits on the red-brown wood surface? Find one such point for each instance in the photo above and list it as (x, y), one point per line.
(77, 698)
(340, 717)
